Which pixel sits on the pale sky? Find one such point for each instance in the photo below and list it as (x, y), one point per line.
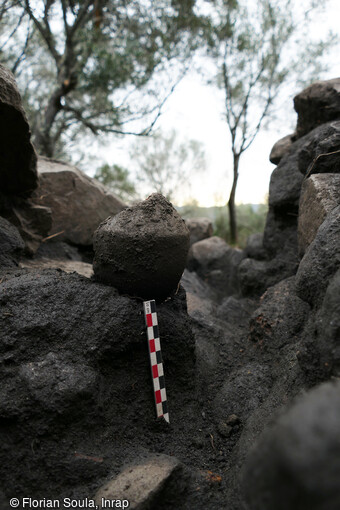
(195, 112)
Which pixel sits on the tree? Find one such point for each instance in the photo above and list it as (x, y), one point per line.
(117, 179)
(161, 164)
(89, 64)
(255, 52)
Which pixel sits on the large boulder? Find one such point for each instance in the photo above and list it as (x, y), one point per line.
(296, 464)
(319, 195)
(216, 263)
(280, 148)
(142, 251)
(280, 317)
(199, 295)
(255, 276)
(199, 228)
(317, 104)
(321, 153)
(78, 203)
(254, 248)
(33, 221)
(319, 356)
(75, 393)
(18, 174)
(328, 328)
(243, 391)
(11, 244)
(285, 181)
(280, 235)
(321, 260)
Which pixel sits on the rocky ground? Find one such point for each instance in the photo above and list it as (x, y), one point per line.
(249, 338)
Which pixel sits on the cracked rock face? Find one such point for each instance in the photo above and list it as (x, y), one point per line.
(142, 251)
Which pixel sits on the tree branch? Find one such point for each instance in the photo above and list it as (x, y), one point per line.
(66, 26)
(80, 17)
(14, 29)
(21, 57)
(45, 31)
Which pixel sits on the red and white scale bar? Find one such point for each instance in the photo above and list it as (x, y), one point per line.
(155, 354)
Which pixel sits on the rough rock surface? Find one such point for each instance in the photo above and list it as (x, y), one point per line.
(216, 263)
(199, 228)
(78, 203)
(255, 276)
(69, 266)
(243, 392)
(142, 251)
(33, 221)
(199, 294)
(18, 174)
(319, 195)
(280, 235)
(317, 104)
(286, 179)
(328, 328)
(297, 462)
(322, 152)
(280, 148)
(319, 356)
(76, 395)
(11, 244)
(254, 248)
(279, 318)
(144, 485)
(321, 260)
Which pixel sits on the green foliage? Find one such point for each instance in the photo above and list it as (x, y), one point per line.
(251, 219)
(118, 180)
(95, 66)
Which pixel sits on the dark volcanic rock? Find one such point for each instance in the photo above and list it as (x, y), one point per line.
(234, 310)
(59, 387)
(199, 294)
(279, 247)
(254, 248)
(319, 356)
(18, 174)
(296, 464)
(280, 236)
(280, 148)
(78, 202)
(256, 276)
(216, 263)
(199, 228)
(280, 317)
(11, 244)
(322, 153)
(328, 328)
(317, 104)
(243, 392)
(51, 309)
(286, 180)
(33, 221)
(142, 251)
(321, 260)
(75, 386)
(319, 195)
